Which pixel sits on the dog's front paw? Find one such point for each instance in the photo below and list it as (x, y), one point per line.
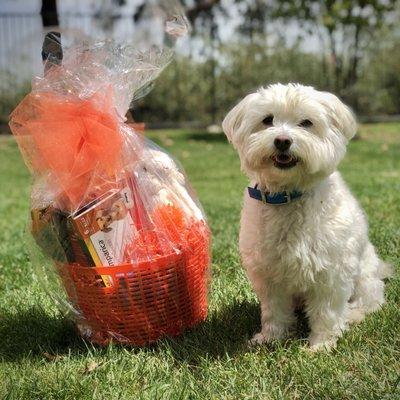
(321, 343)
(269, 333)
(257, 340)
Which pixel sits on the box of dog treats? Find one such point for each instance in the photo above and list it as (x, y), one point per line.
(105, 227)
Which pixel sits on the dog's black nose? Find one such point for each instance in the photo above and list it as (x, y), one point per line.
(282, 142)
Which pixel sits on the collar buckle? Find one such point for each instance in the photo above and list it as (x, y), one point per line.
(263, 197)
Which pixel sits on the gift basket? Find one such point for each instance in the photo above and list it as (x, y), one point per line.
(114, 221)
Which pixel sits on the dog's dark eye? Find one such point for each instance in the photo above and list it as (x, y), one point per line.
(268, 120)
(306, 123)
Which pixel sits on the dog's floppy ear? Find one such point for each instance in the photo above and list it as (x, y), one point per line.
(341, 115)
(234, 118)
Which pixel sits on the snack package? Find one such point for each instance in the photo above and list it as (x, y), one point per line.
(113, 218)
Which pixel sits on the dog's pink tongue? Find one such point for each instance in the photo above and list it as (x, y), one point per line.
(283, 158)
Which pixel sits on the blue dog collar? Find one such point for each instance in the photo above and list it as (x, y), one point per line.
(276, 198)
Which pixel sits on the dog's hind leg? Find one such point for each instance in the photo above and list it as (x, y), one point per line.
(327, 311)
(368, 293)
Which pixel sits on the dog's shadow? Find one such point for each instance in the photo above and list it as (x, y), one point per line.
(36, 333)
(227, 332)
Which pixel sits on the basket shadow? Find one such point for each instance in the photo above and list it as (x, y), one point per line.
(34, 332)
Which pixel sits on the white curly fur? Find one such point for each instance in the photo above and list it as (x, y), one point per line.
(316, 247)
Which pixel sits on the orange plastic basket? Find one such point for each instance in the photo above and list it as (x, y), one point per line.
(147, 300)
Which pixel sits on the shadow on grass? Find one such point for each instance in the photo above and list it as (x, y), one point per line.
(226, 333)
(34, 333)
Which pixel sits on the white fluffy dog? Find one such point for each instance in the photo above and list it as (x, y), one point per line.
(303, 234)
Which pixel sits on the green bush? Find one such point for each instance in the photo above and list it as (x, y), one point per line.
(197, 89)
(379, 86)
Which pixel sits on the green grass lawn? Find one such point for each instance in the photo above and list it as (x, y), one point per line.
(42, 357)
